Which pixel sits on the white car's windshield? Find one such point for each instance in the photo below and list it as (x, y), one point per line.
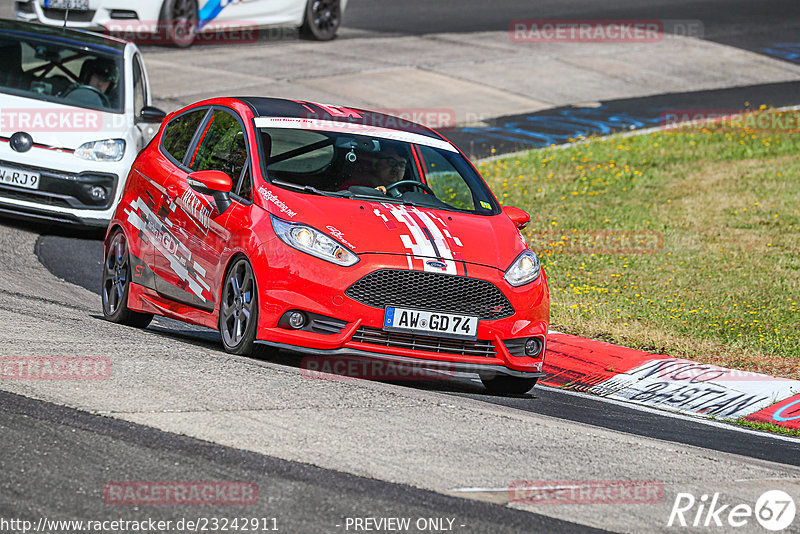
(363, 166)
(48, 70)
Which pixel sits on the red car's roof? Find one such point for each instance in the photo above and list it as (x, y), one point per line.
(278, 107)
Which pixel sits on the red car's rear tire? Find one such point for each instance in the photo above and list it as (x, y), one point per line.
(116, 285)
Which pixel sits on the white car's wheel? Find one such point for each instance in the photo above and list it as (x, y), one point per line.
(322, 19)
(179, 22)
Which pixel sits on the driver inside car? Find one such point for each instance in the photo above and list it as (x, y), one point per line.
(102, 75)
(387, 167)
(98, 77)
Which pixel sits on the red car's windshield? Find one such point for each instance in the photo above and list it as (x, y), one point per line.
(428, 174)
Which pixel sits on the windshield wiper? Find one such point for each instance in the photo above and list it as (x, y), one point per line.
(311, 189)
(380, 197)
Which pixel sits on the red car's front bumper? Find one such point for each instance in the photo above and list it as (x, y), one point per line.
(297, 282)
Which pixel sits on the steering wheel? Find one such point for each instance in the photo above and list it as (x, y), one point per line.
(91, 89)
(393, 189)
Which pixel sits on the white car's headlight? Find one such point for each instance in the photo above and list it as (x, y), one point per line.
(524, 270)
(314, 242)
(106, 150)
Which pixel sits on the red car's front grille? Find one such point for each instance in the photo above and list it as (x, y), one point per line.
(431, 291)
(375, 336)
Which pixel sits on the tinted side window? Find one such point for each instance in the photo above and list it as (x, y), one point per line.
(245, 186)
(222, 147)
(179, 132)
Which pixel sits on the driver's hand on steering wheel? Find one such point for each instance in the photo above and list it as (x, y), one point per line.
(381, 188)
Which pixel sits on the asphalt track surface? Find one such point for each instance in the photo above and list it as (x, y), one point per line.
(300, 497)
(580, 408)
(559, 125)
(747, 24)
(307, 498)
(770, 28)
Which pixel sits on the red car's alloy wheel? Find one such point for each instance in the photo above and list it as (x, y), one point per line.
(116, 284)
(238, 315)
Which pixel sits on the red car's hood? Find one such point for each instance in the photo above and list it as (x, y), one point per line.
(430, 238)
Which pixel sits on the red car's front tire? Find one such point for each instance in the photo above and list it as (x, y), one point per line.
(238, 308)
(507, 385)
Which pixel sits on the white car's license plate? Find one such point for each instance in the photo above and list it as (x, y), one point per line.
(19, 178)
(76, 5)
(426, 322)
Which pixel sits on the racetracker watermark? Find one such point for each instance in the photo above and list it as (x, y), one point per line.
(735, 119)
(155, 493)
(774, 510)
(404, 118)
(392, 118)
(586, 492)
(54, 368)
(359, 368)
(34, 120)
(602, 30)
(217, 33)
(602, 242)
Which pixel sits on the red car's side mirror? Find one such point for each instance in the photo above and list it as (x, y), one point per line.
(519, 217)
(151, 115)
(214, 183)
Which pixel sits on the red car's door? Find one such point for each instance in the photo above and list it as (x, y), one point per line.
(200, 230)
(147, 194)
(166, 253)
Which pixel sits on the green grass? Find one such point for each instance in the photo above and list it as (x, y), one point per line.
(682, 242)
(768, 427)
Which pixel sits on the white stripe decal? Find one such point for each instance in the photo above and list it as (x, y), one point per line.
(199, 269)
(353, 128)
(420, 225)
(417, 242)
(444, 248)
(159, 235)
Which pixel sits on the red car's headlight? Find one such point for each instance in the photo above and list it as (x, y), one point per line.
(524, 270)
(312, 241)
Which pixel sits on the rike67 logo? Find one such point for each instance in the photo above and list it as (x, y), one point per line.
(774, 510)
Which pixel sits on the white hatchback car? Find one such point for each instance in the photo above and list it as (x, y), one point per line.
(74, 112)
(182, 19)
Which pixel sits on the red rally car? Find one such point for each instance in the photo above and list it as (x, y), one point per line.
(331, 231)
